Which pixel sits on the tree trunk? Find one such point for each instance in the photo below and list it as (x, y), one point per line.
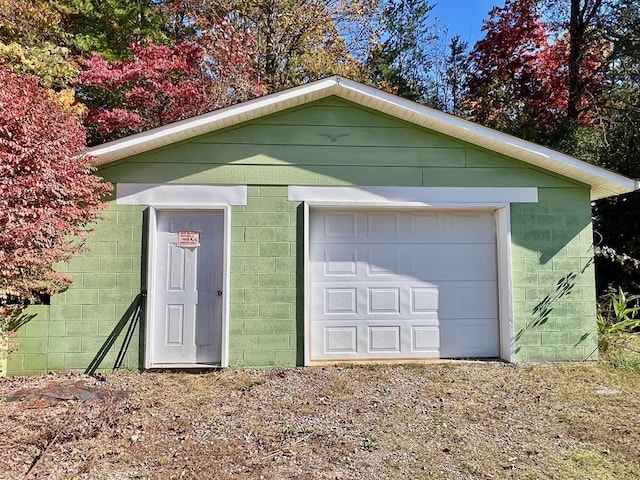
(582, 14)
(271, 57)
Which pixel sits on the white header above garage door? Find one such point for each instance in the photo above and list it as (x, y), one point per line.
(415, 195)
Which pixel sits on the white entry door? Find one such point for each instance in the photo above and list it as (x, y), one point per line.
(187, 289)
(403, 284)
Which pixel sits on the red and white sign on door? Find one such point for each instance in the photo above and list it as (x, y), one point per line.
(188, 239)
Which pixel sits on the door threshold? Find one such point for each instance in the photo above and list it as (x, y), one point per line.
(183, 366)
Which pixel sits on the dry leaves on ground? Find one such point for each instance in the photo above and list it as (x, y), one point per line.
(451, 421)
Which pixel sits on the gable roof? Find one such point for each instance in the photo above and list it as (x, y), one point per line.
(603, 182)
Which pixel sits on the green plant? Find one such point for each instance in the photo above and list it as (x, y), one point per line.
(368, 445)
(617, 314)
(625, 356)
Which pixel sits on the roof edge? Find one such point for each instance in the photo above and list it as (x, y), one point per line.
(208, 122)
(603, 182)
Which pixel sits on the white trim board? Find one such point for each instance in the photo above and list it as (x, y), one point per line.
(418, 196)
(179, 195)
(503, 256)
(151, 284)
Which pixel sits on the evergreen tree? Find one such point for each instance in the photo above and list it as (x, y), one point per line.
(401, 62)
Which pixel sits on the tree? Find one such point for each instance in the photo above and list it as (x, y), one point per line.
(401, 62)
(52, 64)
(29, 21)
(578, 19)
(48, 194)
(504, 91)
(32, 42)
(451, 75)
(160, 84)
(616, 219)
(297, 40)
(109, 27)
(525, 76)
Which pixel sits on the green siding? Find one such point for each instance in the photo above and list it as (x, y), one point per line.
(330, 142)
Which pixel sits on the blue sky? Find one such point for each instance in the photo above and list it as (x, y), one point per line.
(463, 17)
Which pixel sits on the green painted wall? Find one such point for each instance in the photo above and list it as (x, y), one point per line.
(263, 307)
(69, 334)
(329, 142)
(553, 277)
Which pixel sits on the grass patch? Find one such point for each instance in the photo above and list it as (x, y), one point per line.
(624, 352)
(587, 461)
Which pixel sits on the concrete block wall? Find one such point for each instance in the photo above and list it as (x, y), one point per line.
(553, 277)
(68, 334)
(263, 306)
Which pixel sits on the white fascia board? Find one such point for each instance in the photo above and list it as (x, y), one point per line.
(180, 196)
(414, 195)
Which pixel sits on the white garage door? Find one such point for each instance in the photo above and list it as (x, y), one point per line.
(411, 284)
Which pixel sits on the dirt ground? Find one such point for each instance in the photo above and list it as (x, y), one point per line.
(436, 421)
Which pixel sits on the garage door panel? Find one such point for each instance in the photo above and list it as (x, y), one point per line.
(404, 262)
(459, 227)
(415, 227)
(425, 339)
(469, 300)
(469, 338)
(442, 262)
(383, 226)
(376, 339)
(425, 228)
(424, 299)
(407, 300)
(404, 300)
(341, 300)
(389, 284)
(385, 300)
(339, 262)
(382, 262)
(340, 339)
(384, 338)
(338, 226)
(452, 227)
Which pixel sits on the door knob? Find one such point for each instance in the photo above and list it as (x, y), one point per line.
(219, 293)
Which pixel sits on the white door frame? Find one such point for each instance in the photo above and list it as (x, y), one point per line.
(152, 282)
(496, 199)
(162, 196)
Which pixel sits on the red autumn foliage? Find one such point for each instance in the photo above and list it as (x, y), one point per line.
(521, 81)
(48, 193)
(505, 61)
(162, 84)
(553, 71)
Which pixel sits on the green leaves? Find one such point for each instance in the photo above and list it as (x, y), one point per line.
(617, 314)
(109, 27)
(52, 64)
